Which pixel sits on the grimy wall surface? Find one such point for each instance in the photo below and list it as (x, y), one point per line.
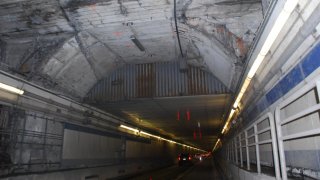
(36, 142)
(277, 134)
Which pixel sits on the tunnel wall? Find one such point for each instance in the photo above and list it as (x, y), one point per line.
(42, 146)
(37, 127)
(87, 148)
(285, 92)
(284, 138)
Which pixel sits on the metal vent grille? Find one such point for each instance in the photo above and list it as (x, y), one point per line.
(164, 79)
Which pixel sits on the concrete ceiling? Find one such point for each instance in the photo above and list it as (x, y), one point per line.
(70, 45)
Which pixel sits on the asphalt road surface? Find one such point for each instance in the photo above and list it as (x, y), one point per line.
(205, 169)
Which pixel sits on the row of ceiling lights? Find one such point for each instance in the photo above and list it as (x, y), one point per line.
(286, 11)
(136, 130)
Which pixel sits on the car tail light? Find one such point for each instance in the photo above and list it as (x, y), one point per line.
(189, 157)
(179, 158)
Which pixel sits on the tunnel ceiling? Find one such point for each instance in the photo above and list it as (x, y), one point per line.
(70, 45)
(184, 104)
(160, 116)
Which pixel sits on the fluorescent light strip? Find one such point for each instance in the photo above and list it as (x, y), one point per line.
(11, 89)
(241, 93)
(273, 34)
(151, 135)
(158, 137)
(215, 146)
(255, 66)
(228, 121)
(129, 128)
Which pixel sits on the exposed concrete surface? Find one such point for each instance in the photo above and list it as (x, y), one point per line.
(215, 35)
(70, 45)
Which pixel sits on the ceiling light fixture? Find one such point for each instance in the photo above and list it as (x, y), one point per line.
(282, 18)
(137, 43)
(11, 89)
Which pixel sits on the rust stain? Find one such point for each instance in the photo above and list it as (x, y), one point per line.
(145, 81)
(231, 41)
(118, 34)
(241, 46)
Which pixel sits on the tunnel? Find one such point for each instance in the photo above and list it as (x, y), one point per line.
(159, 89)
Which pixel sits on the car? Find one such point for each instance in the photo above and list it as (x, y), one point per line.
(184, 159)
(198, 156)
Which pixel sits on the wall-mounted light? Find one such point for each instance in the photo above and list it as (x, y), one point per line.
(129, 128)
(137, 43)
(228, 120)
(11, 89)
(215, 146)
(151, 135)
(241, 93)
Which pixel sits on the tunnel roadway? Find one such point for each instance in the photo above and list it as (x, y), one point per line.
(205, 169)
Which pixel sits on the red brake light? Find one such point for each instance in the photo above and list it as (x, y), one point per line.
(189, 157)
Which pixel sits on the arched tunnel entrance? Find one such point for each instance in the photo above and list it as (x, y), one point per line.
(165, 89)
